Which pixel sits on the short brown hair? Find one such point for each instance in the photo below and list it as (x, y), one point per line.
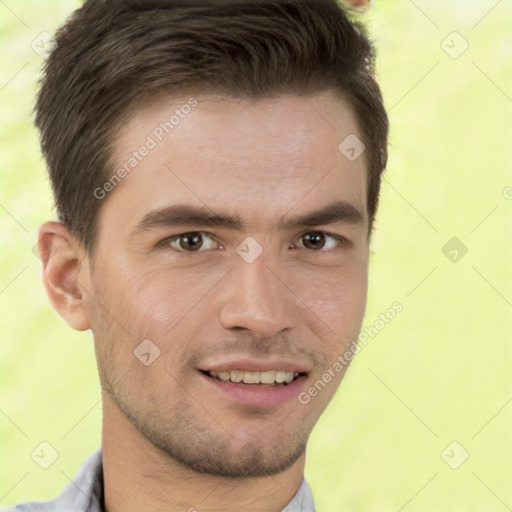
(112, 55)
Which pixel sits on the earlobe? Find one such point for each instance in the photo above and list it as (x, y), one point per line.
(63, 276)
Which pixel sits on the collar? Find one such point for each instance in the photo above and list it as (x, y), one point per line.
(85, 492)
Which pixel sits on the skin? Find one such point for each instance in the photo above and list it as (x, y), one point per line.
(265, 160)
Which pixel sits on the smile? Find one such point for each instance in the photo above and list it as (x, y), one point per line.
(270, 377)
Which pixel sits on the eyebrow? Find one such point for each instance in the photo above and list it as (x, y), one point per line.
(341, 212)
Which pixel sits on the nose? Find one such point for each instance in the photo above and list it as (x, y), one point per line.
(256, 299)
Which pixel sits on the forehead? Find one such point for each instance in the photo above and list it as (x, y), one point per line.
(250, 156)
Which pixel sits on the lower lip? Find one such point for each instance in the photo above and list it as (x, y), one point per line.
(262, 395)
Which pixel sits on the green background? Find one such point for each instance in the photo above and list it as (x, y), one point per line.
(439, 372)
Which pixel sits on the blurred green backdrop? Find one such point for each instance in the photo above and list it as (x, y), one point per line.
(439, 373)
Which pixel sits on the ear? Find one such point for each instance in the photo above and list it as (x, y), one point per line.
(64, 273)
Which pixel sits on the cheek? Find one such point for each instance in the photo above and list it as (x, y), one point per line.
(338, 300)
(166, 305)
(164, 297)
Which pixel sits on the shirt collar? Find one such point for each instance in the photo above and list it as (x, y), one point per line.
(85, 492)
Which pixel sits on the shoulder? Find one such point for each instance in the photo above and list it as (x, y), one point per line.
(82, 494)
(32, 506)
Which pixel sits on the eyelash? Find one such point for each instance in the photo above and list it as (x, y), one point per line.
(165, 243)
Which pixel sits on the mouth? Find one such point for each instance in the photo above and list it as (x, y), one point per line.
(264, 389)
(267, 378)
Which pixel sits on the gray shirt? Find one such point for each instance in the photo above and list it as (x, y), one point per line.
(85, 493)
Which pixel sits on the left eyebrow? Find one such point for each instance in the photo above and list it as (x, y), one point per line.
(341, 212)
(187, 215)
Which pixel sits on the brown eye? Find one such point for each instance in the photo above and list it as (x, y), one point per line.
(189, 242)
(319, 240)
(314, 241)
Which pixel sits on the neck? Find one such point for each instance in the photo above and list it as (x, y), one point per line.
(139, 477)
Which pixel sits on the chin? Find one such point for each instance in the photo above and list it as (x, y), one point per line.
(250, 461)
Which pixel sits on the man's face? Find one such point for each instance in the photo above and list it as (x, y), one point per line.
(268, 295)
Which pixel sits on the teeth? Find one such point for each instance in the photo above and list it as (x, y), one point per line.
(252, 377)
(237, 376)
(267, 377)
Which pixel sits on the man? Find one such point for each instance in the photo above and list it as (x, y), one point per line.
(216, 170)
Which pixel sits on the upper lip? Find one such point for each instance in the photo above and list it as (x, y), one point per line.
(255, 365)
